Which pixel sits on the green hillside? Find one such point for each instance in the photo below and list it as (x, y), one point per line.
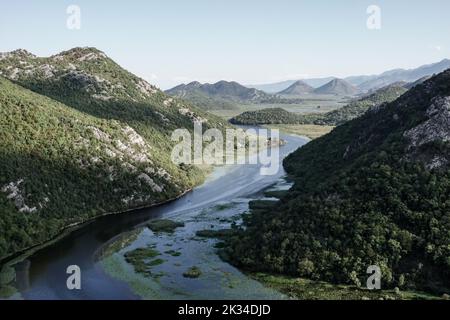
(87, 141)
(375, 191)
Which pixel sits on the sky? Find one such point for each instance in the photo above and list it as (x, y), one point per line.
(168, 42)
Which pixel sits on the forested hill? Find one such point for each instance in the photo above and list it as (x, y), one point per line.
(82, 137)
(357, 108)
(375, 191)
(267, 116)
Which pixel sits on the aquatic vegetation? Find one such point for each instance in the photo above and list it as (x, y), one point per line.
(173, 253)
(219, 234)
(164, 225)
(193, 272)
(223, 206)
(138, 257)
(156, 262)
(262, 204)
(276, 193)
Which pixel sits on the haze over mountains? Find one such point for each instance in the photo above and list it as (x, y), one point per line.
(282, 85)
(366, 82)
(226, 95)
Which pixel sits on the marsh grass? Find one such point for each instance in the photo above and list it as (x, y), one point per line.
(164, 225)
(138, 259)
(219, 234)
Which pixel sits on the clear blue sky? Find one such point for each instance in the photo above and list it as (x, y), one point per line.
(250, 41)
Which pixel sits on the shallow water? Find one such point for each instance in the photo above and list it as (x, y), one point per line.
(218, 280)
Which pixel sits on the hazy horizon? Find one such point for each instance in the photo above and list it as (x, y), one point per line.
(255, 42)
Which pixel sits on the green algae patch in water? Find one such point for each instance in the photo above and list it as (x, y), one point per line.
(215, 234)
(138, 259)
(164, 225)
(173, 253)
(224, 206)
(275, 194)
(156, 262)
(193, 272)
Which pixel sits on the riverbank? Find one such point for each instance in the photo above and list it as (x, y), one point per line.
(66, 231)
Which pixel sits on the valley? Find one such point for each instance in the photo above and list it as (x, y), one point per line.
(85, 142)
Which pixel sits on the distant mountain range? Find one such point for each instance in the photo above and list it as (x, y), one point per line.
(282, 85)
(337, 117)
(410, 75)
(220, 95)
(366, 82)
(228, 95)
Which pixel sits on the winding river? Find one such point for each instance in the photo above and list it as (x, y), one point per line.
(98, 247)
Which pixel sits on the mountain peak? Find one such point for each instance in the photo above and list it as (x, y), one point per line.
(337, 87)
(81, 54)
(299, 87)
(20, 53)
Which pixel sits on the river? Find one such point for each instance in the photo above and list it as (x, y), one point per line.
(98, 247)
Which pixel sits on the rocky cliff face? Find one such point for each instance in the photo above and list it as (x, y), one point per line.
(434, 130)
